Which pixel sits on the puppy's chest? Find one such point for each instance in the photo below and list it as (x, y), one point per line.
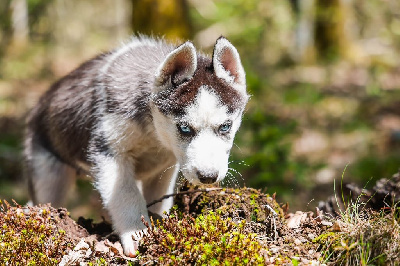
(125, 135)
(148, 156)
(138, 144)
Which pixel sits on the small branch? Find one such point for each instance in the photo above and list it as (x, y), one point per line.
(181, 193)
(274, 214)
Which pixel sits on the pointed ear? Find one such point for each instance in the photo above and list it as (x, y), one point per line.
(226, 62)
(178, 66)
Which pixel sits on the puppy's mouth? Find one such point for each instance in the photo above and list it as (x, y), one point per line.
(198, 178)
(208, 177)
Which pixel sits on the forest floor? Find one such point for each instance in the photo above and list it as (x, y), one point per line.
(218, 226)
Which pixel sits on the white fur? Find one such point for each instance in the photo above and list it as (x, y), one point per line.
(134, 43)
(122, 197)
(123, 50)
(124, 186)
(208, 152)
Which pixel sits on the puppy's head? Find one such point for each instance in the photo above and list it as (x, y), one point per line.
(197, 106)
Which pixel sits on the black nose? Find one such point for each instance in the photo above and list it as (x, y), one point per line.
(207, 178)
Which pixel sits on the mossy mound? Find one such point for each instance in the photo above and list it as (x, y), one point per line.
(217, 226)
(243, 203)
(224, 226)
(206, 239)
(32, 235)
(256, 208)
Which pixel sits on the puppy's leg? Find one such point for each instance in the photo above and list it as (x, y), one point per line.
(161, 185)
(121, 197)
(49, 179)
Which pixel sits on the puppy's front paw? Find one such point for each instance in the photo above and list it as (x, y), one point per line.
(130, 241)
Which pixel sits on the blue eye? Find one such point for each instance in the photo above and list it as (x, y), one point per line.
(225, 127)
(185, 129)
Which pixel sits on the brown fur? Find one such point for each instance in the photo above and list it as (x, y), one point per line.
(175, 101)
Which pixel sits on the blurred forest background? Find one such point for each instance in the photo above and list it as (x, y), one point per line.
(324, 76)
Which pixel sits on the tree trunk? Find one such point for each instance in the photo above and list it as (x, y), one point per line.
(330, 37)
(19, 18)
(5, 28)
(167, 18)
(304, 33)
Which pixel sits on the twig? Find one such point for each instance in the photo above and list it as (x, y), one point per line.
(273, 219)
(181, 193)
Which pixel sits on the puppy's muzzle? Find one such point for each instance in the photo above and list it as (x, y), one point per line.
(207, 178)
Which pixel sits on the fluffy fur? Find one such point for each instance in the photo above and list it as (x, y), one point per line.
(132, 118)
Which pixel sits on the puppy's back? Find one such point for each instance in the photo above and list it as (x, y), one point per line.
(118, 82)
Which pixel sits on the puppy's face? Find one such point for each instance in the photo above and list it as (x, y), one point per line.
(197, 108)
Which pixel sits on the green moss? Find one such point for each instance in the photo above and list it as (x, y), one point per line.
(101, 261)
(325, 237)
(29, 237)
(207, 239)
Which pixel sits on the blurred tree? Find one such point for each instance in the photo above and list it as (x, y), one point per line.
(330, 37)
(5, 27)
(320, 30)
(19, 19)
(37, 12)
(303, 48)
(168, 18)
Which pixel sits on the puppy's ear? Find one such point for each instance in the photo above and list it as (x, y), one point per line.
(178, 67)
(227, 64)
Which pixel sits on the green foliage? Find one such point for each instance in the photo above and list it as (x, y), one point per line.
(269, 158)
(5, 26)
(10, 148)
(265, 151)
(101, 261)
(28, 237)
(266, 23)
(207, 239)
(36, 8)
(375, 167)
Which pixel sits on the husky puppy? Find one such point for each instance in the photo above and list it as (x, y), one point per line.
(132, 118)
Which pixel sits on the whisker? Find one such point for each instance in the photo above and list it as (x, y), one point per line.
(172, 166)
(238, 147)
(242, 162)
(235, 171)
(230, 180)
(181, 180)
